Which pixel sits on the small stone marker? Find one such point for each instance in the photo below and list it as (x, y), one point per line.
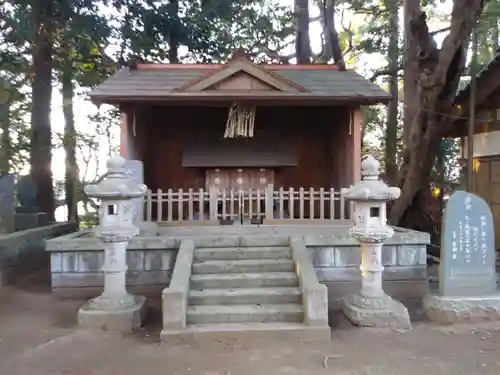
(468, 250)
(27, 191)
(135, 171)
(7, 185)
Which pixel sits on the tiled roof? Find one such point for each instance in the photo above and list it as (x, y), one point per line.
(161, 82)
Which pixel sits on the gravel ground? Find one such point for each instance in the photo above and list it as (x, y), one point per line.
(38, 337)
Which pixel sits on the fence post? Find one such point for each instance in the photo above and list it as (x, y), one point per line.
(149, 206)
(212, 202)
(269, 192)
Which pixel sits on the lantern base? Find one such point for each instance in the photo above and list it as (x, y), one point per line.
(378, 312)
(126, 319)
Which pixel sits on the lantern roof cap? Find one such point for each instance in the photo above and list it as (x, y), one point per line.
(117, 184)
(371, 188)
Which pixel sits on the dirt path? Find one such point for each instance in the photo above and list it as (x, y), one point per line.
(38, 337)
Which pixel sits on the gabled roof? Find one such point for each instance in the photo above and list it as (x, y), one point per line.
(173, 82)
(241, 65)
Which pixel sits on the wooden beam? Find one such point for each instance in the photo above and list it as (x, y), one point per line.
(355, 132)
(127, 144)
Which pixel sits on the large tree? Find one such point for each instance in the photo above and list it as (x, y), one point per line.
(43, 13)
(439, 72)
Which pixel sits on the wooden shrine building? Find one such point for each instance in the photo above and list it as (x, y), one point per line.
(486, 152)
(241, 126)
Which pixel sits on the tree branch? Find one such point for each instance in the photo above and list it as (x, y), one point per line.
(385, 72)
(439, 31)
(350, 34)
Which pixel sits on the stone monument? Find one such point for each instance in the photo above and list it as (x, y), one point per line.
(7, 203)
(135, 171)
(371, 306)
(28, 214)
(115, 308)
(467, 279)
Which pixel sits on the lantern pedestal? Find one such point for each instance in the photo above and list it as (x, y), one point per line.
(378, 312)
(115, 309)
(371, 306)
(126, 319)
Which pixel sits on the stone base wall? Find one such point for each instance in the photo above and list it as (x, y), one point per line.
(24, 251)
(78, 273)
(405, 273)
(76, 261)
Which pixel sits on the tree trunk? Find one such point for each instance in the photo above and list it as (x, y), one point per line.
(71, 174)
(411, 9)
(41, 142)
(173, 39)
(494, 39)
(439, 75)
(332, 43)
(302, 43)
(391, 134)
(5, 144)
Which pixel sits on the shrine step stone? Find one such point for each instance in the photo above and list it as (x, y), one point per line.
(208, 335)
(245, 296)
(234, 253)
(243, 265)
(255, 313)
(243, 280)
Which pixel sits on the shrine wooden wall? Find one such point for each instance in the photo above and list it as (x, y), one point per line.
(487, 186)
(323, 138)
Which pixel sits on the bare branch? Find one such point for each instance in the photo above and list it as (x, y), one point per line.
(385, 72)
(439, 31)
(350, 34)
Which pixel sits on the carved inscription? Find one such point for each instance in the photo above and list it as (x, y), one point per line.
(467, 249)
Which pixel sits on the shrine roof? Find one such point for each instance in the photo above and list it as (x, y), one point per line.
(164, 82)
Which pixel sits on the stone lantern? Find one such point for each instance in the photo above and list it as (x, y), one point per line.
(371, 306)
(115, 308)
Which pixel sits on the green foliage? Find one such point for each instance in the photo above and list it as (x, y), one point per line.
(93, 38)
(208, 32)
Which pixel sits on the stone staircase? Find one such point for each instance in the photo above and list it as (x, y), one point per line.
(245, 292)
(244, 285)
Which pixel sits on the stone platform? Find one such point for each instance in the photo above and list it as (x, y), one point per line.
(208, 335)
(76, 259)
(449, 310)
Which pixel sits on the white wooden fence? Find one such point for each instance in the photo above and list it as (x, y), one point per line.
(282, 204)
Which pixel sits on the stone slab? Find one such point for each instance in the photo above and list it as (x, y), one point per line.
(449, 310)
(24, 221)
(7, 203)
(468, 253)
(135, 171)
(123, 320)
(392, 315)
(209, 335)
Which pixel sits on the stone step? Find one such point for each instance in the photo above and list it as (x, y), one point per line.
(243, 280)
(209, 335)
(235, 253)
(244, 265)
(245, 296)
(244, 314)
